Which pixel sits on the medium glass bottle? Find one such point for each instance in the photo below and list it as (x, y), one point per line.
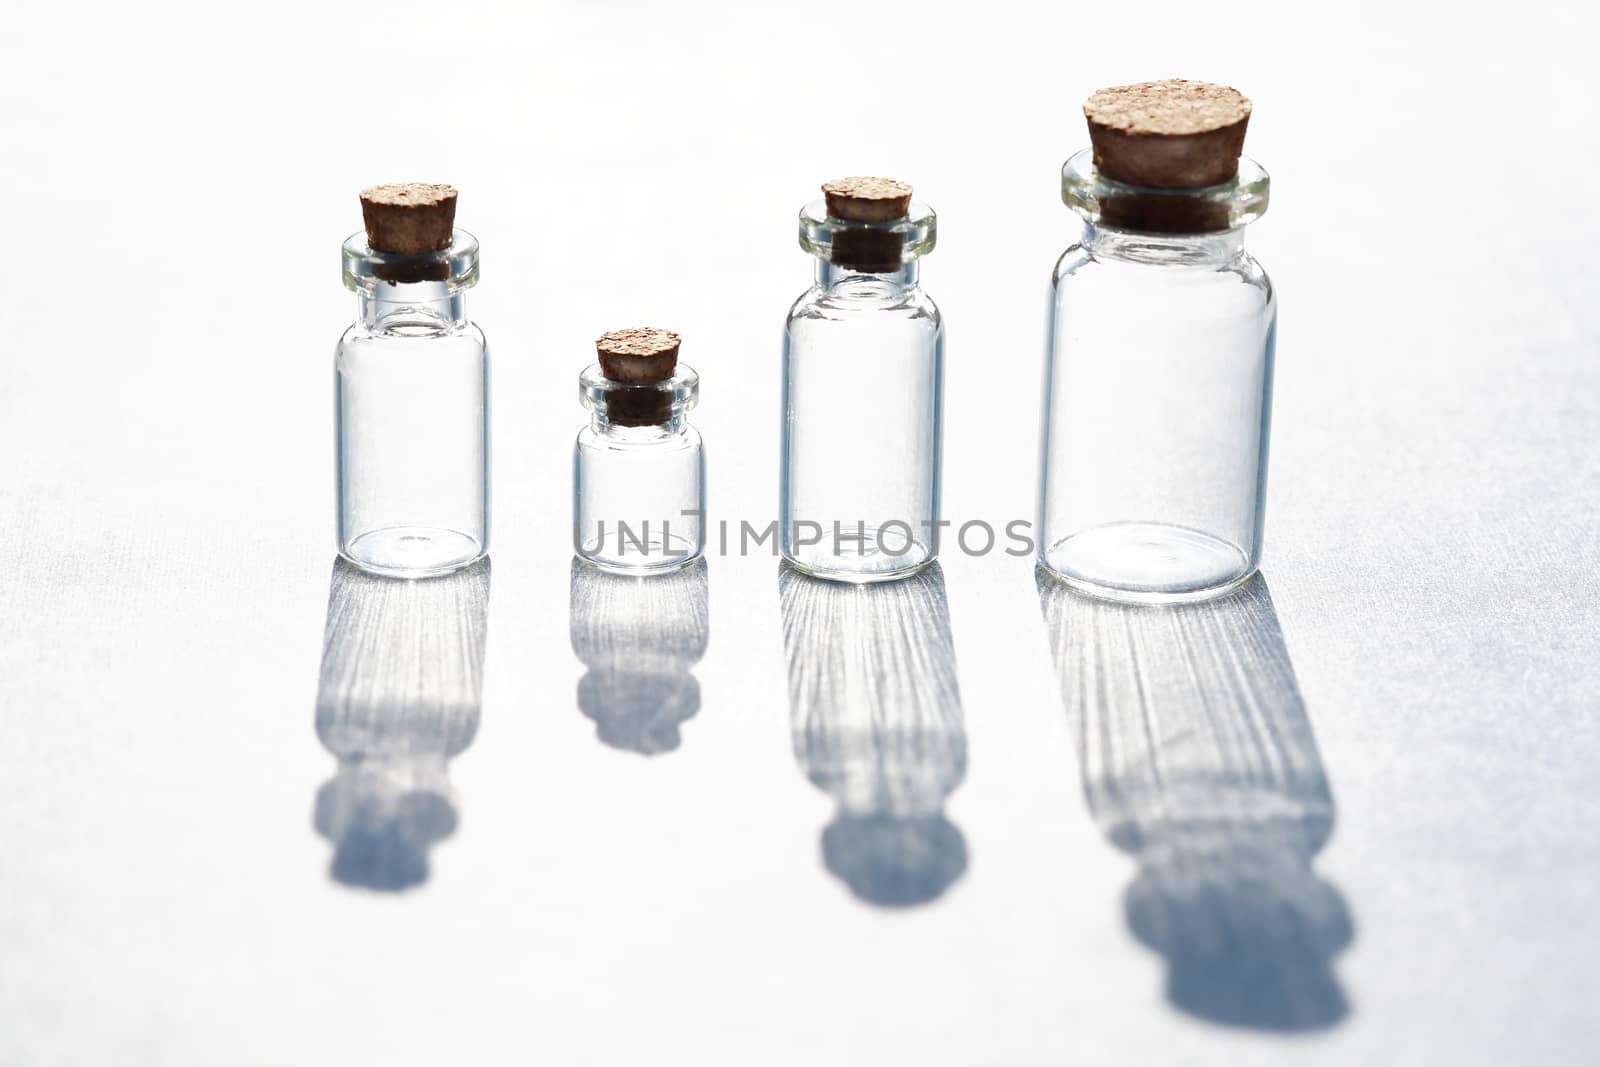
(638, 472)
(862, 381)
(412, 391)
(1158, 379)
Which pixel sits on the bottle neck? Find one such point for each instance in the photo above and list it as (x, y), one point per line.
(847, 281)
(638, 414)
(1178, 250)
(410, 306)
(674, 421)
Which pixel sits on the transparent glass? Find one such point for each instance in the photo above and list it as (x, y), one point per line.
(638, 474)
(863, 371)
(1157, 393)
(411, 388)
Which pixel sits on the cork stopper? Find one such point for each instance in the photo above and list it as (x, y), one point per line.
(867, 199)
(638, 359)
(409, 218)
(1172, 134)
(640, 355)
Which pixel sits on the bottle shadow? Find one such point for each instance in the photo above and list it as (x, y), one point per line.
(1198, 759)
(399, 697)
(640, 638)
(875, 719)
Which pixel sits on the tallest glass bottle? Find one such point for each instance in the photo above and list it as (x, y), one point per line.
(1158, 383)
(863, 376)
(412, 391)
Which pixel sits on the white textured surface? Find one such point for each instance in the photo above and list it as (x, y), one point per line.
(165, 536)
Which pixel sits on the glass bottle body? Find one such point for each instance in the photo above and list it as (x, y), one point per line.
(639, 479)
(863, 370)
(411, 389)
(1158, 389)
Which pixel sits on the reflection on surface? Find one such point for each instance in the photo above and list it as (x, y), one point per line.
(1198, 759)
(640, 637)
(399, 697)
(875, 717)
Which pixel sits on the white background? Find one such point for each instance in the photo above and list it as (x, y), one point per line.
(174, 186)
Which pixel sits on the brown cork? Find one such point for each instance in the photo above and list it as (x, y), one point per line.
(641, 355)
(867, 199)
(638, 359)
(409, 218)
(1172, 134)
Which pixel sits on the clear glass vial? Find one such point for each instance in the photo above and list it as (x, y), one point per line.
(863, 376)
(638, 473)
(412, 397)
(1158, 386)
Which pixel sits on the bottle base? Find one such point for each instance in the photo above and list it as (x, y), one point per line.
(639, 569)
(812, 569)
(857, 554)
(413, 551)
(641, 556)
(1148, 563)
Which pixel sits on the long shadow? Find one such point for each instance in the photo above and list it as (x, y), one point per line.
(1198, 759)
(399, 697)
(875, 718)
(640, 638)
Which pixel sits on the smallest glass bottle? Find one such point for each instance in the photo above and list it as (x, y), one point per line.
(638, 474)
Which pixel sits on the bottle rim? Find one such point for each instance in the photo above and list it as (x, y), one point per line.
(365, 268)
(906, 239)
(1111, 204)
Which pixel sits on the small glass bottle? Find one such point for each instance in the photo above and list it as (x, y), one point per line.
(412, 391)
(863, 369)
(638, 473)
(1158, 380)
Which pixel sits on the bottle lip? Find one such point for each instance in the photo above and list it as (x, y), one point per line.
(916, 232)
(1112, 204)
(680, 392)
(365, 268)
